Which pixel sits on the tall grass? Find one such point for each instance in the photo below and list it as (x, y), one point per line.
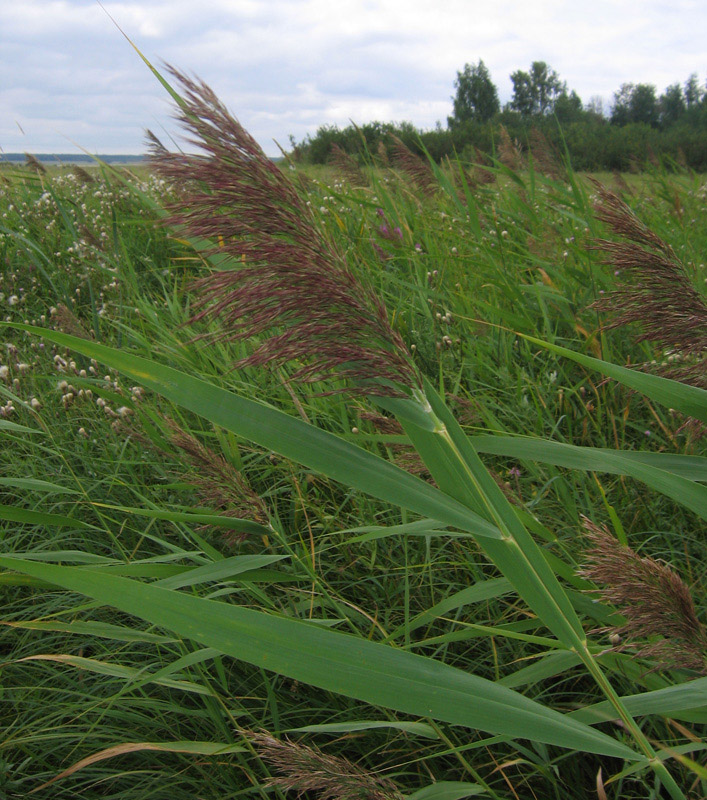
(244, 493)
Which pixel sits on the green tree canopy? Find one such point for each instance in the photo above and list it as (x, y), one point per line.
(635, 102)
(671, 104)
(536, 92)
(476, 97)
(568, 107)
(694, 93)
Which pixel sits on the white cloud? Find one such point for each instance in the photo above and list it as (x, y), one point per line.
(288, 66)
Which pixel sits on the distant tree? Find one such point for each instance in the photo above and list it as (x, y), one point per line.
(536, 92)
(621, 110)
(644, 105)
(635, 102)
(595, 106)
(671, 105)
(568, 107)
(522, 100)
(476, 97)
(694, 93)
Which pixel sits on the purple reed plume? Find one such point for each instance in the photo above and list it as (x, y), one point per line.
(279, 278)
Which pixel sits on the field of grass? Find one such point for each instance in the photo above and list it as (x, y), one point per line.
(209, 597)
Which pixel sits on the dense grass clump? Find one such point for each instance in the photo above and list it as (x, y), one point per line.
(248, 544)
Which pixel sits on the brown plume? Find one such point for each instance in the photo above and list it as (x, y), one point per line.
(347, 165)
(545, 157)
(655, 601)
(509, 151)
(35, 164)
(220, 485)
(280, 277)
(655, 291)
(414, 167)
(304, 768)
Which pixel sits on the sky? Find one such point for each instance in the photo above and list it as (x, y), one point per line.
(69, 80)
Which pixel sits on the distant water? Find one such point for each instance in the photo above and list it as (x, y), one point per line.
(71, 158)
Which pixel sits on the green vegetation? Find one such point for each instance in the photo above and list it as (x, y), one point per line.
(259, 536)
(642, 128)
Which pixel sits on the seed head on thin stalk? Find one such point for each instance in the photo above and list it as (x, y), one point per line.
(35, 164)
(509, 150)
(67, 322)
(304, 768)
(655, 291)
(283, 280)
(545, 158)
(220, 486)
(655, 601)
(347, 165)
(414, 167)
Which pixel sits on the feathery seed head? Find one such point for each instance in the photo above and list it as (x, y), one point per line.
(279, 278)
(304, 768)
(655, 292)
(655, 601)
(414, 167)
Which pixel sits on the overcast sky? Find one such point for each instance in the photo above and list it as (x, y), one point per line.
(68, 78)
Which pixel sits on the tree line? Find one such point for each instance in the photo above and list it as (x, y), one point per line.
(640, 125)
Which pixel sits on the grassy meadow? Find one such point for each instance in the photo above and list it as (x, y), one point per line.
(225, 578)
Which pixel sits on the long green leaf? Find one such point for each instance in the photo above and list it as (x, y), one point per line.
(131, 674)
(218, 571)
(517, 555)
(690, 494)
(693, 468)
(414, 728)
(32, 484)
(6, 425)
(477, 593)
(317, 449)
(24, 515)
(688, 399)
(234, 523)
(341, 663)
(689, 696)
(103, 630)
(447, 790)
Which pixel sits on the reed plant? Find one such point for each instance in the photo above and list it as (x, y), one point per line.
(271, 303)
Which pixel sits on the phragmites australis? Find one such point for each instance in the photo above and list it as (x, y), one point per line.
(418, 170)
(382, 152)
(67, 322)
(655, 291)
(661, 620)
(33, 163)
(509, 150)
(279, 277)
(347, 165)
(545, 158)
(303, 768)
(480, 173)
(220, 485)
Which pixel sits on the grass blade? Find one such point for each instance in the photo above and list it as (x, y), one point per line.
(688, 399)
(375, 673)
(317, 449)
(646, 469)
